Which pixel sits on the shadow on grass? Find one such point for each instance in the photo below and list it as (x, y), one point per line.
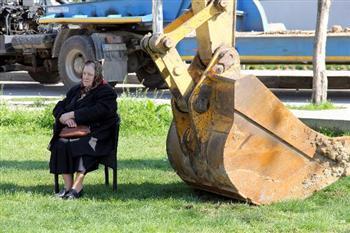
(126, 192)
(137, 164)
(24, 165)
(159, 164)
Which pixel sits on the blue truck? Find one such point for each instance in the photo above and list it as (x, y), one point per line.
(52, 39)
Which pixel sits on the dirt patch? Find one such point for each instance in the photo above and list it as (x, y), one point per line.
(334, 154)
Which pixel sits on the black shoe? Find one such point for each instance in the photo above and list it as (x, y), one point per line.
(73, 194)
(62, 194)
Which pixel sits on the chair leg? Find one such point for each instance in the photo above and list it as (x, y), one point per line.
(56, 183)
(115, 179)
(106, 176)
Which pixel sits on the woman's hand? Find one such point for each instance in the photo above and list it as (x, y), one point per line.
(70, 123)
(66, 116)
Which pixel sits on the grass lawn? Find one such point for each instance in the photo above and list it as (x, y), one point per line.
(150, 198)
(314, 107)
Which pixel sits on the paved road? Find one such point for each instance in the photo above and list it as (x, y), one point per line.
(25, 87)
(20, 85)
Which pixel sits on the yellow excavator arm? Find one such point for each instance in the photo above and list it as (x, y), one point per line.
(230, 135)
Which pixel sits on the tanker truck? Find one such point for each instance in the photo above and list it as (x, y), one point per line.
(52, 39)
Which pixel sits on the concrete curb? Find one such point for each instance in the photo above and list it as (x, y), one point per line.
(337, 119)
(15, 76)
(340, 125)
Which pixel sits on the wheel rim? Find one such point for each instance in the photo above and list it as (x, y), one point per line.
(150, 68)
(74, 65)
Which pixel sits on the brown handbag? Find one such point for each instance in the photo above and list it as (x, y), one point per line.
(76, 132)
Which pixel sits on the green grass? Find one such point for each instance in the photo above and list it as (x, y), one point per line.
(314, 107)
(291, 67)
(332, 132)
(137, 117)
(150, 198)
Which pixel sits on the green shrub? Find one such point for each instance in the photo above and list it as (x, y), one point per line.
(328, 105)
(137, 116)
(332, 132)
(45, 118)
(144, 116)
(17, 116)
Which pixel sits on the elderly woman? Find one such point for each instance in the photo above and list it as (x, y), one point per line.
(91, 103)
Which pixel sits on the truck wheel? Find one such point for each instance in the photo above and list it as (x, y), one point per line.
(75, 51)
(150, 77)
(45, 77)
(112, 83)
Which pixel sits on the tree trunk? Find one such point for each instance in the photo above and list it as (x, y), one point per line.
(320, 81)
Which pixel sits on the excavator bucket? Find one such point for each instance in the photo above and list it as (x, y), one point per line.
(230, 134)
(248, 146)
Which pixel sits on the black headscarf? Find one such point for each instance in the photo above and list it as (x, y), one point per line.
(98, 79)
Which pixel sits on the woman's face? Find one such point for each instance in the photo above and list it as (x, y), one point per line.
(88, 75)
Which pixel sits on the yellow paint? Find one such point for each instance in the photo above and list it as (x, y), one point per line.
(281, 58)
(213, 34)
(178, 22)
(190, 22)
(187, 58)
(291, 58)
(91, 20)
(182, 80)
(166, 64)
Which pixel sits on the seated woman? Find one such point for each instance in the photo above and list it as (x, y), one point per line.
(91, 103)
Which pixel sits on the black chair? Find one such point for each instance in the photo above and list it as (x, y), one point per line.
(110, 161)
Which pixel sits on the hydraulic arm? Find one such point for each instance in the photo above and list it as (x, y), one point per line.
(230, 135)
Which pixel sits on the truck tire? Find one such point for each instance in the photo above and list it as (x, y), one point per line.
(75, 51)
(112, 83)
(45, 77)
(150, 76)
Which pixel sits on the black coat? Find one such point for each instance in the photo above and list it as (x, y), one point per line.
(97, 110)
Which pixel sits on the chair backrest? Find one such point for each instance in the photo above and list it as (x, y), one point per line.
(111, 160)
(116, 136)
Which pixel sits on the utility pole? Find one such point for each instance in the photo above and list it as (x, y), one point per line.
(320, 80)
(157, 14)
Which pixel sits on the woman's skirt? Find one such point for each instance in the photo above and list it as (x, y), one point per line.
(62, 160)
